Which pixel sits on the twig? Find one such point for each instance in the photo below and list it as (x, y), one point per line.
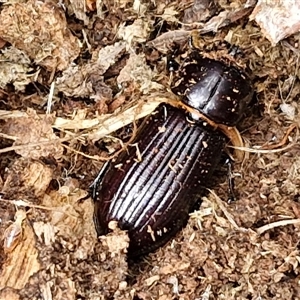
(283, 141)
(264, 228)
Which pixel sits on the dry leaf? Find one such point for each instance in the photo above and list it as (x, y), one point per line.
(277, 19)
(170, 14)
(165, 41)
(138, 32)
(80, 81)
(105, 124)
(14, 68)
(22, 262)
(27, 177)
(224, 18)
(9, 293)
(138, 72)
(117, 242)
(69, 217)
(52, 46)
(108, 55)
(79, 8)
(35, 130)
(200, 11)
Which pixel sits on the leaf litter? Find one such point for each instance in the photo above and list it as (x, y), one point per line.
(72, 76)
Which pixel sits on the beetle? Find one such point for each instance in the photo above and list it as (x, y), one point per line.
(151, 197)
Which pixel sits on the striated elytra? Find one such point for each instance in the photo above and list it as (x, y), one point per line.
(152, 197)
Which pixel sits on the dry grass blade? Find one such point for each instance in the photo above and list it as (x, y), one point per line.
(283, 141)
(109, 124)
(224, 210)
(22, 203)
(264, 228)
(263, 151)
(33, 145)
(92, 129)
(97, 157)
(273, 148)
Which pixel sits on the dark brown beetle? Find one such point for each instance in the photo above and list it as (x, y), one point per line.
(152, 198)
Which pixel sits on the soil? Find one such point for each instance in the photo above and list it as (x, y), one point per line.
(73, 75)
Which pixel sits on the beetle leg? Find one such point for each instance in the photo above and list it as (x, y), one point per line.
(231, 195)
(98, 180)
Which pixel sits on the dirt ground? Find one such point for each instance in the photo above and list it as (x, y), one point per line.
(72, 76)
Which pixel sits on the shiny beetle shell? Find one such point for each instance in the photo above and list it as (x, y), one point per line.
(152, 197)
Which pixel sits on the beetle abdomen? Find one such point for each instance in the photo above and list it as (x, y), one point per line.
(151, 198)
